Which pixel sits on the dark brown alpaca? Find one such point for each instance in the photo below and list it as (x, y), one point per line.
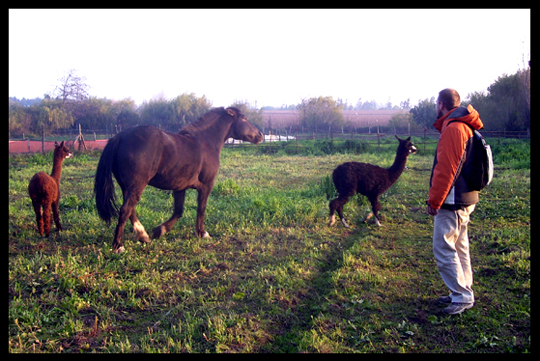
(44, 191)
(367, 179)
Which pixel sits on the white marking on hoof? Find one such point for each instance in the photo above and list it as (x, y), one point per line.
(332, 220)
(377, 222)
(141, 232)
(344, 223)
(120, 249)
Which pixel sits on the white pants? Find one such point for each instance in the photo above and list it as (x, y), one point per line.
(451, 250)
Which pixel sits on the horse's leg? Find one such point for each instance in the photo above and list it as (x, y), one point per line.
(202, 199)
(131, 198)
(179, 197)
(39, 216)
(138, 228)
(56, 215)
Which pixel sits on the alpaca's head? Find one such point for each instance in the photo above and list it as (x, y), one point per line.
(406, 146)
(61, 151)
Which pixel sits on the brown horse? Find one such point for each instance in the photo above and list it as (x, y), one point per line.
(174, 161)
(44, 190)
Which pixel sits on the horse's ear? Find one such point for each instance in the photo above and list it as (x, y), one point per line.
(55, 143)
(409, 139)
(231, 112)
(397, 137)
(62, 144)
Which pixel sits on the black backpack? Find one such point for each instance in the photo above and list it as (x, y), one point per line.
(477, 167)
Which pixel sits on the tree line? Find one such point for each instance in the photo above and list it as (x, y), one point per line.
(70, 104)
(505, 106)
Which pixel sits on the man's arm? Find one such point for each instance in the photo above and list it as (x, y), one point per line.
(449, 153)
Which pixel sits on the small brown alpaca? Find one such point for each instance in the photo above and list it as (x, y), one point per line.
(44, 191)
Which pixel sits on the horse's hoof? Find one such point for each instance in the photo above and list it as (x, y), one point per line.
(119, 250)
(145, 239)
(205, 235)
(344, 223)
(158, 232)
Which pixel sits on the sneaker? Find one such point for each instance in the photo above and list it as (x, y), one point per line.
(457, 308)
(445, 299)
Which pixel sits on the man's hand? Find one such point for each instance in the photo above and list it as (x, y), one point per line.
(432, 211)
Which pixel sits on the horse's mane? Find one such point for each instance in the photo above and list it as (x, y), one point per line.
(206, 120)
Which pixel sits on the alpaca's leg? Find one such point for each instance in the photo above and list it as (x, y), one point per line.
(56, 216)
(375, 208)
(332, 216)
(337, 205)
(39, 217)
(341, 217)
(47, 218)
(368, 217)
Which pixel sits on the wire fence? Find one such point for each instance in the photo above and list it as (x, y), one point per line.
(288, 139)
(329, 142)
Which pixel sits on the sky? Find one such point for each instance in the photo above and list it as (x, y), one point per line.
(267, 57)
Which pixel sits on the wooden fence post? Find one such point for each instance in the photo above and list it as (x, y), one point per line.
(296, 137)
(425, 139)
(378, 139)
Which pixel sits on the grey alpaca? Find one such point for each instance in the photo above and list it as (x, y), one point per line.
(367, 179)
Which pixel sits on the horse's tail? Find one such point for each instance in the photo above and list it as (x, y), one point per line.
(103, 183)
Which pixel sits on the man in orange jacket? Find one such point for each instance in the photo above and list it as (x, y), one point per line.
(451, 201)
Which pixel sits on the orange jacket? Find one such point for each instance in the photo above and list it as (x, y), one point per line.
(452, 144)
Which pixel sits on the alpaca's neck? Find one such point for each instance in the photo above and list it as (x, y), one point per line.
(397, 168)
(57, 169)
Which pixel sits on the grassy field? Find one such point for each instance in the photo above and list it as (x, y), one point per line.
(273, 277)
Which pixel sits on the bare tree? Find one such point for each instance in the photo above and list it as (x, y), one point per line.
(72, 88)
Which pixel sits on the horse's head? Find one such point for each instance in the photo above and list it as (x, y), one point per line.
(242, 129)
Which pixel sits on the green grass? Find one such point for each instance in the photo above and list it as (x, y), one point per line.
(273, 277)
